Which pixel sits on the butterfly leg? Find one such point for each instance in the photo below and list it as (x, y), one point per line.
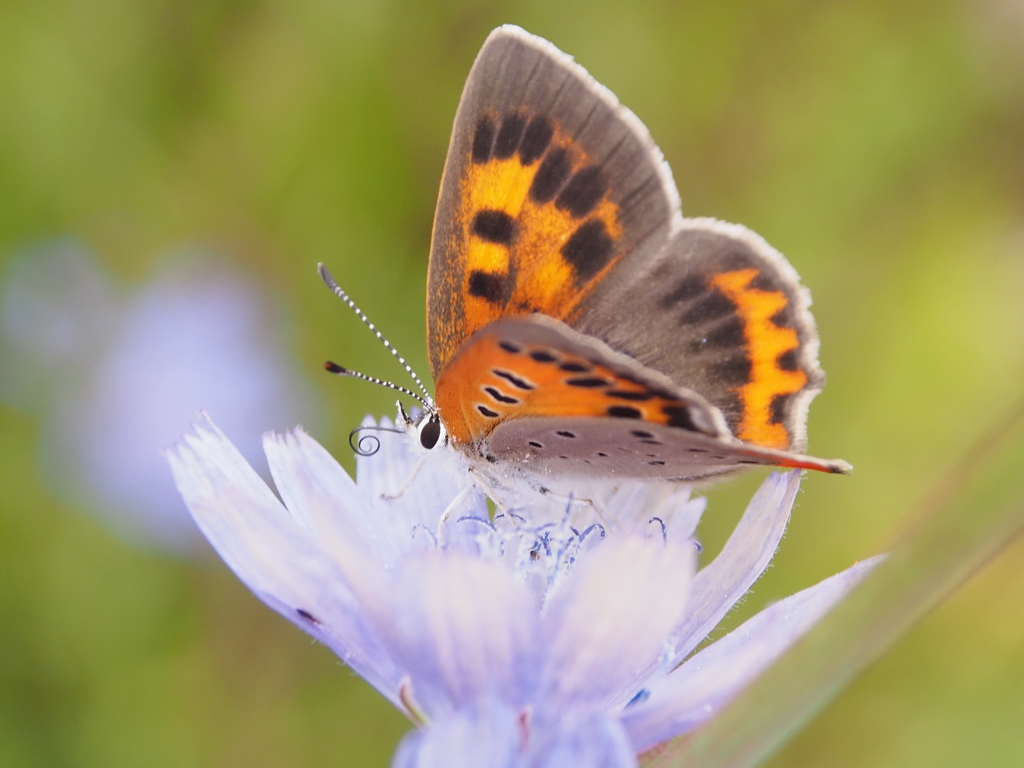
(508, 496)
(492, 488)
(457, 502)
(408, 481)
(571, 501)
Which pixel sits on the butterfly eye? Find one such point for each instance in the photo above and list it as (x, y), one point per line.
(430, 432)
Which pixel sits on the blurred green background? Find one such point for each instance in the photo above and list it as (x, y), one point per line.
(879, 145)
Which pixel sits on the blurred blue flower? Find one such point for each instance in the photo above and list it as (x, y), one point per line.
(523, 640)
(117, 375)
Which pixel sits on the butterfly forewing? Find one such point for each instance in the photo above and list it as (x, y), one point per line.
(549, 185)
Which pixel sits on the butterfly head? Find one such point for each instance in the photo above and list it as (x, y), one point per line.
(425, 421)
(425, 425)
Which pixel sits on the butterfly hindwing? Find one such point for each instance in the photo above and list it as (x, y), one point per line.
(601, 448)
(549, 185)
(724, 312)
(574, 447)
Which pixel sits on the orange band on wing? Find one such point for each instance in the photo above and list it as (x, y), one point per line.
(766, 341)
(492, 380)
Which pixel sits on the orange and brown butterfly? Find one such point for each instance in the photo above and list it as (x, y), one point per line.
(578, 325)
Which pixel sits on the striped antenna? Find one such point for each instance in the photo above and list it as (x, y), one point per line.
(426, 400)
(340, 371)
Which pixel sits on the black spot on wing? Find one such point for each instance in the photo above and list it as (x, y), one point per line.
(641, 434)
(489, 286)
(733, 260)
(778, 409)
(727, 334)
(572, 367)
(766, 282)
(509, 134)
(487, 412)
(623, 412)
(587, 382)
(553, 172)
(543, 357)
(688, 290)
(535, 444)
(735, 368)
(512, 379)
(494, 226)
(632, 395)
(483, 140)
(663, 394)
(679, 416)
(307, 615)
(586, 187)
(565, 433)
(500, 396)
(783, 318)
(626, 376)
(589, 249)
(789, 361)
(509, 347)
(712, 306)
(762, 282)
(535, 140)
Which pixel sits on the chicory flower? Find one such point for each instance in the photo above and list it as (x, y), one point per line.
(559, 633)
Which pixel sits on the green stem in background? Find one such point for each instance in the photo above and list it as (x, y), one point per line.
(971, 514)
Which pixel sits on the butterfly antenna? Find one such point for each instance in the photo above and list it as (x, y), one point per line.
(340, 371)
(426, 400)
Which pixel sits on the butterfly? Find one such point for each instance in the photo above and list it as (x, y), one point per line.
(578, 326)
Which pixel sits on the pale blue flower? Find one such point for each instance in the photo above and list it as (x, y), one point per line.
(537, 640)
(116, 373)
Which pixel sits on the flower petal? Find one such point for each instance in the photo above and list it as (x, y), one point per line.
(699, 688)
(319, 493)
(274, 555)
(421, 482)
(642, 507)
(465, 630)
(607, 622)
(583, 741)
(488, 735)
(746, 554)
